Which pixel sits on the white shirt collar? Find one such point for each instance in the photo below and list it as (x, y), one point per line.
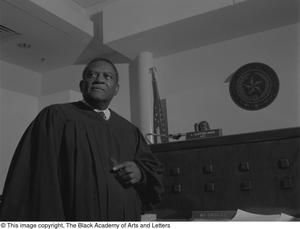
(106, 111)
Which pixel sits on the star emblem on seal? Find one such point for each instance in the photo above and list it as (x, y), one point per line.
(253, 86)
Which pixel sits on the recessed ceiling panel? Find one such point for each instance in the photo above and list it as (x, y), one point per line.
(40, 46)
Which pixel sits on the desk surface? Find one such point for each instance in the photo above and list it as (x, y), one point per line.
(228, 140)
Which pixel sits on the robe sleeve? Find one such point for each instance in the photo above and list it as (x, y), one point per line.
(32, 190)
(150, 188)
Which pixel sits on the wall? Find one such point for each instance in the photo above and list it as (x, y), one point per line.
(16, 78)
(19, 91)
(17, 111)
(62, 79)
(58, 97)
(193, 83)
(121, 102)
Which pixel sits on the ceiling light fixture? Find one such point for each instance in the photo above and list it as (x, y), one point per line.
(24, 45)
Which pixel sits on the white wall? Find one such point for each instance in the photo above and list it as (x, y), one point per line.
(121, 102)
(16, 78)
(58, 97)
(19, 91)
(193, 83)
(62, 79)
(17, 110)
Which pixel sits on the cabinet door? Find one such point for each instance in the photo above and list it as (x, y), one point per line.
(197, 179)
(274, 176)
(261, 177)
(285, 158)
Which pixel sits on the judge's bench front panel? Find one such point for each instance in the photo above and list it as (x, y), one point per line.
(257, 172)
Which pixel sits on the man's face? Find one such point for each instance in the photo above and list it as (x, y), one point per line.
(99, 84)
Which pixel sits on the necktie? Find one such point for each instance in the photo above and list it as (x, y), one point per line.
(102, 115)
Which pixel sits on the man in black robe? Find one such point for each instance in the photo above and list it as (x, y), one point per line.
(82, 161)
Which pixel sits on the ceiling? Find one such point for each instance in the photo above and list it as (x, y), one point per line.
(244, 18)
(93, 6)
(53, 42)
(89, 3)
(51, 46)
(56, 43)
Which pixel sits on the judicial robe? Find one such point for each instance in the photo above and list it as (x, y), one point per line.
(61, 169)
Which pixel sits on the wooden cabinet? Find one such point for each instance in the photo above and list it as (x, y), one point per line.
(258, 172)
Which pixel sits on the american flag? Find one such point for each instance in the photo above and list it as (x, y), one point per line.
(160, 122)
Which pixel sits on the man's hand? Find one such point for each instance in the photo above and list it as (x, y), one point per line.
(128, 172)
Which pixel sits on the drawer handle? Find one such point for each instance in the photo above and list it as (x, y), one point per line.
(208, 169)
(175, 172)
(177, 188)
(287, 183)
(283, 163)
(246, 185)
(244, 166)
(210, 187)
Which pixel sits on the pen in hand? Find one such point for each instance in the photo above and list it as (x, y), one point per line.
(114, 163)
(127, 172)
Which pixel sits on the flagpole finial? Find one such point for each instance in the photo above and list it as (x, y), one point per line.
(153, 69)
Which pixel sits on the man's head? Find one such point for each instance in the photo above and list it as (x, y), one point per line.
(99, 82)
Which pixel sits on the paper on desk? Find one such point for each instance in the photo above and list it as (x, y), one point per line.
(149, 217)
(247, 216)
(285, 217)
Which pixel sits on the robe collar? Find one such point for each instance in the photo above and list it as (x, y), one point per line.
(106, 111)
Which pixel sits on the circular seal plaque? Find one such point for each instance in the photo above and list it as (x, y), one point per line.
(254, 86)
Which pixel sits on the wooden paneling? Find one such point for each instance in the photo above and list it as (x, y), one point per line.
(258, 172)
